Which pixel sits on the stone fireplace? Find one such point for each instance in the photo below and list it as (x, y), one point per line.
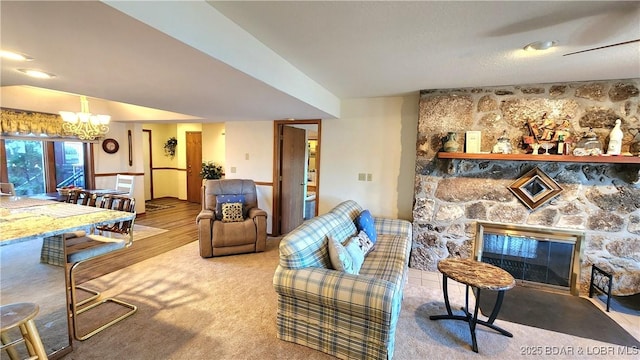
(535, 256)
(601, 200)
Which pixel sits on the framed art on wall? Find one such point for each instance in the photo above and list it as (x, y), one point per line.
(110, 146)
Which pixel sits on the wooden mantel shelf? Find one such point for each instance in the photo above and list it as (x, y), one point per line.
(541, 157)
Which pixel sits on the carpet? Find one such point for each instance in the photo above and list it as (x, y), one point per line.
(225, 308)
(567, 314)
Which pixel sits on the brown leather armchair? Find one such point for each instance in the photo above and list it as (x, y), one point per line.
(231, 236)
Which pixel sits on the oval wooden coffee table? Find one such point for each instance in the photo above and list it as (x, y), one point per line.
(480, 276)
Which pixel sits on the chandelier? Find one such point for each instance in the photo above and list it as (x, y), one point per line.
(85, 125)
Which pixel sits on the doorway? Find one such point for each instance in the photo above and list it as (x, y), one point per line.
(194, 165)
(296, 185)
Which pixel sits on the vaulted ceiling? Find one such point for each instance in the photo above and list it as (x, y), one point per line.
(203, 61)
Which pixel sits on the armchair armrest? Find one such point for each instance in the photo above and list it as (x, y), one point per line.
(206, 214)
(364, 296)
(205, 220)
(253, 212)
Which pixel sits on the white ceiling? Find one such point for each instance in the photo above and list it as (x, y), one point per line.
(196, 61)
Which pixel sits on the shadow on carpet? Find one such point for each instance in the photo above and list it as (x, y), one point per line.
(566, 314)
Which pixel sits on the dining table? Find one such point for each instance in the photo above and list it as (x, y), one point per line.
(24, 223)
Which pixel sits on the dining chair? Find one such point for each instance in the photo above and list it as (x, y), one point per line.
(7, 189)
(112, 238)
(52, 251)
(81, 197)
(125, 183)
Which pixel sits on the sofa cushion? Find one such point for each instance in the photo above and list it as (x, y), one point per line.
(365, 222)
(225, 199)
(232, 212)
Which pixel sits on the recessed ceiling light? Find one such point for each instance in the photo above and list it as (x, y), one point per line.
(541, 45)
(12, 55)
(37, 73)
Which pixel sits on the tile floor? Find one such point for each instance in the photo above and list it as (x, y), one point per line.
(629, 321)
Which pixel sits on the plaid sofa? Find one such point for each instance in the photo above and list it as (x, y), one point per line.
(347, 316)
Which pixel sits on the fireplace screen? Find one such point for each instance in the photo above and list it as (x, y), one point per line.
(540, 256)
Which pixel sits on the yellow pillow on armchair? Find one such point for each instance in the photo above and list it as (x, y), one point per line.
(232, 212)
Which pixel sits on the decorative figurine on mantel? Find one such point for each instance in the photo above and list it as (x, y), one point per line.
(503, 146)
(615, 140)
(451, 142)
(588, 145)
(546, 134)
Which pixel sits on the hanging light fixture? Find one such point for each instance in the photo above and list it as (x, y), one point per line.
(85, 125)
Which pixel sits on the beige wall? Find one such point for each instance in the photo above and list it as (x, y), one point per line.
(252, 140)
(375, 136)
(213, 143)
(119, 162)
(165, 180)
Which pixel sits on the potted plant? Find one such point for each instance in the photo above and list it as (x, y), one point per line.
(210, 170)
(170, 147)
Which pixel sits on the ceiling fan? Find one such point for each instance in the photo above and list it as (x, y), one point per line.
(603, 47)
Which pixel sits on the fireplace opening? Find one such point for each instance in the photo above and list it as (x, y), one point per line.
(534, 256)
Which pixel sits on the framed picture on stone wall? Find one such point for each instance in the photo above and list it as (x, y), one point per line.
(535, 188)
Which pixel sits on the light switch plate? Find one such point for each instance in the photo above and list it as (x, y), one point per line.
(362, 176)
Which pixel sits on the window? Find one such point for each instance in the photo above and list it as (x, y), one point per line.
(69, 159)
(25, 166)
(37, 166)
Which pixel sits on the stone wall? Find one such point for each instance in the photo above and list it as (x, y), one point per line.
(603, 200)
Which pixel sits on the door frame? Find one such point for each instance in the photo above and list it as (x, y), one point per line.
(277, 170)
(150, 145)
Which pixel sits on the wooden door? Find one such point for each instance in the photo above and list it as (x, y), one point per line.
(293, 173)
(194, 165)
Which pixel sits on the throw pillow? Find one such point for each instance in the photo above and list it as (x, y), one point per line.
(366, 245)
(232, 212)
(365, 222)
(225, 199)
(357, 255)
(339, 256)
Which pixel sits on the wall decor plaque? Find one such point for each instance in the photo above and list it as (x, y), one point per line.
(535, 188)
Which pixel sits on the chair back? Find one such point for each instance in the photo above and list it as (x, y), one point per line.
(125, 183)
(81, 197)
(7, 189)
(213, 188)
(120, 203)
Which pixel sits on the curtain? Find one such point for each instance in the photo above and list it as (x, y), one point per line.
(18, 123)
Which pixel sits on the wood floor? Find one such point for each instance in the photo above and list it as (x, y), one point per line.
(179, 219)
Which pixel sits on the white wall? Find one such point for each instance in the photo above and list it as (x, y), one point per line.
(375, 136)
